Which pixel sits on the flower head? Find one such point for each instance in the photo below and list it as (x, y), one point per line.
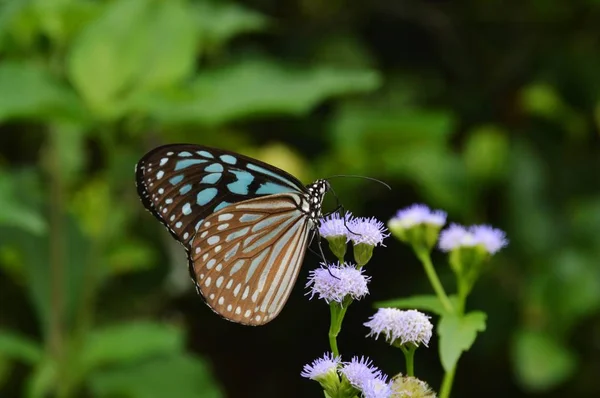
(417, 225)
(417, 214)
(455, 236)
(335, 225)
(360, 371)
(492, 239)
(377, 388)
(336, 281)
(411, 387)
(367, 230)
(401, 327)
(321, 367)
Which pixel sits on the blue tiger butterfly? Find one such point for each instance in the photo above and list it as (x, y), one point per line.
(245, 224)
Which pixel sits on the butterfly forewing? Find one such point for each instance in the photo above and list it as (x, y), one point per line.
(246, 257)
(181, 184)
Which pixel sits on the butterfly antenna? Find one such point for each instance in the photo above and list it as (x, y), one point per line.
(363, 177)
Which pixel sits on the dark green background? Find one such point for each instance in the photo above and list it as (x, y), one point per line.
(487, 109)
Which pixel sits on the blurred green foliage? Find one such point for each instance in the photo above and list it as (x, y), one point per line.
(490, 111)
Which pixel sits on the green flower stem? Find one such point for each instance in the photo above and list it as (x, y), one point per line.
(338, 311)
(55, 341)
(409, 356)
(463, 292)
(423, 256)
(447, 383)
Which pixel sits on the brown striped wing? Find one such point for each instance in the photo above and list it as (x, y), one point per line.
(246, 257)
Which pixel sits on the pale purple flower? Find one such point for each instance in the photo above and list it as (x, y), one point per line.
(459, 236)
(334, 282)
(492, 238)
(320, 367)
(409, 326)
(367, 230)
(359, 371)
(417, 214)
(377, 388)
(334, 225)
(454, 236)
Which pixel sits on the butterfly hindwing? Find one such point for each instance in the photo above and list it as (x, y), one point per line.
(181, 184)
(246, 257)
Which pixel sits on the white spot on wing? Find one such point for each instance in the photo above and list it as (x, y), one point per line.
(225, 217)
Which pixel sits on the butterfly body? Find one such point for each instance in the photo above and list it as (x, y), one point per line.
(245, 224)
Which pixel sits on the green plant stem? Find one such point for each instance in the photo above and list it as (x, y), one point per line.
(337, 316)
(423, 256)
(447, 383)
(55, 342)
(463, 292)
(409, 356)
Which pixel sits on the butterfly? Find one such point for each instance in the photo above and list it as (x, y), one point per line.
(245, 224)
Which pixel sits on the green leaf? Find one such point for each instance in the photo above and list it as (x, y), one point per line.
(409, 143)
(13, 211)
(106, 57)
(34, 252)
(171, 46)
(19, 348)
(110, 61)
(126, 343)
(542, 100)
(541, 363)
(5, 370)
(181, 376)
(220, 22)
(68, 140)
(29, 91)
(254, 88)
(61, 20)
(457, 334)
(42, 380)
(130, 255)
(18, 25)
(363, 122)
(428, 303)
(486, 153)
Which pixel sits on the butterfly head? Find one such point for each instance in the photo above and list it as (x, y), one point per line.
(316, 193)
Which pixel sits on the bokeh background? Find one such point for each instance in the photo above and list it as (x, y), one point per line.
(487, 109)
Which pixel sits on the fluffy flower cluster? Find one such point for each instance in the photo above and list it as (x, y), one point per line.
(377, 388)
(417, 214)
(333, 282)
(456, 236)
(321, 367)
(411, 387)
(335, 225)
(360, 372)
(401, 327)
(356, 229)
(363, 375)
